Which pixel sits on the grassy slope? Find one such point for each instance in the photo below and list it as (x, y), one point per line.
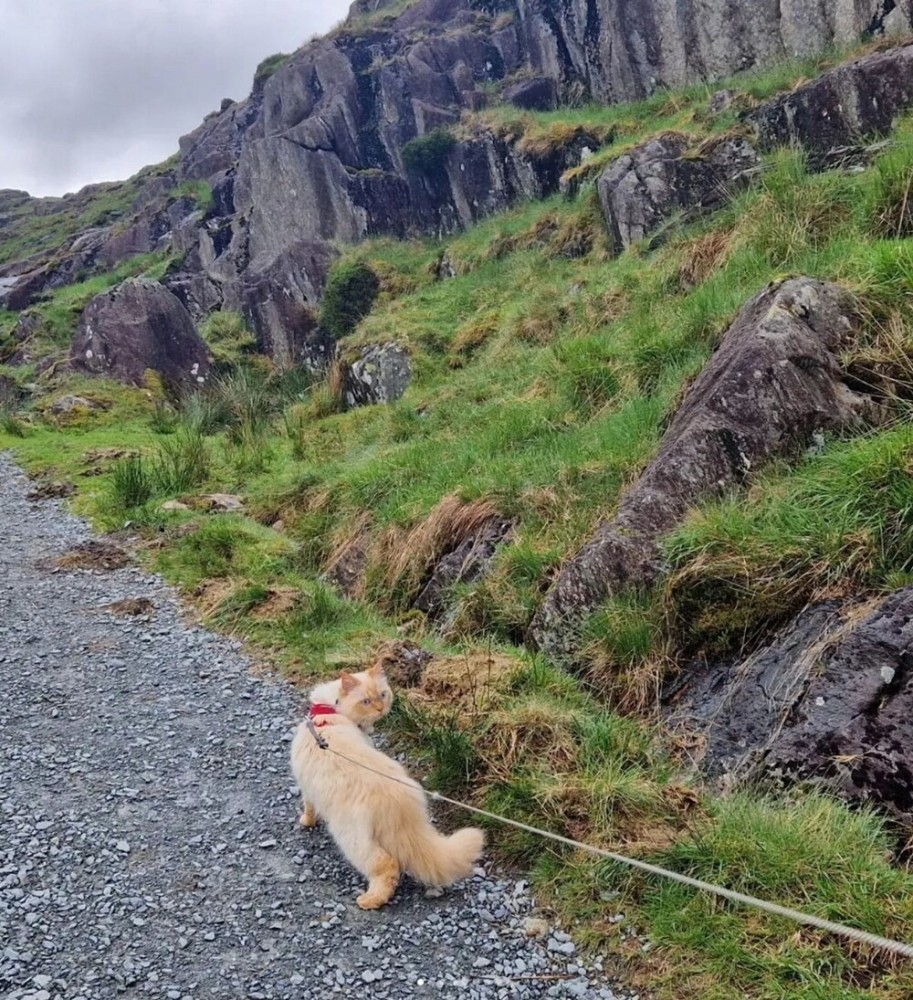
(544, 373)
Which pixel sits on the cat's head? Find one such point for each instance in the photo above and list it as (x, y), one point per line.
(365, 697)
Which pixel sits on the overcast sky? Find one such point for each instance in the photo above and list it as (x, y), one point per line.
(92, 90)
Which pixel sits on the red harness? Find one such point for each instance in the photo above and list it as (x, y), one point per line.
(315, 711)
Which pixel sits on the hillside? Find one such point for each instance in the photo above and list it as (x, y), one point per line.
(580, 384)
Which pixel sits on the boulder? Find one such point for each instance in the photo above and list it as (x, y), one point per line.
(831, 115)
(831, 699)
(538, 94)
(670, 178)
(381, 374)
(138, 326)
(775, 381)
(467, 563)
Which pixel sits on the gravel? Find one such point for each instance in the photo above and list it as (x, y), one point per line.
(149, 844)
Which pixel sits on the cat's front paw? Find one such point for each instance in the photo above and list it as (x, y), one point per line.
(308, 818)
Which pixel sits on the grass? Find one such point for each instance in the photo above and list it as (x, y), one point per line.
(841, 523)
(545, 373)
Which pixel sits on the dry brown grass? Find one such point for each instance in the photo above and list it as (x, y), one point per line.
(531, 731)
(702, 257)
(542, 321)
(211, 594)
(95, 554)
(406, 559)
(539, 141)
(472, 335)
(537, 237)
(883, 363)
(632, 688)
(278, 602)
(345, 565)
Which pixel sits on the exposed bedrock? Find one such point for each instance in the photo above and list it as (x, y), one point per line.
(830, 699)
(775, 381)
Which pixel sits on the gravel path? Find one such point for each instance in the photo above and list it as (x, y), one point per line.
(149, 844)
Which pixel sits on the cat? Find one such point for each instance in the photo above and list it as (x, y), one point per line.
(375, 702)
(380, 825)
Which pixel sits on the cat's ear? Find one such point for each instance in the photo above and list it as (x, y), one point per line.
(377, 670)
(349, 683)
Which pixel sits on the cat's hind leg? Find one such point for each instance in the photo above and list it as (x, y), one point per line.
(309, 816)
(383, 878)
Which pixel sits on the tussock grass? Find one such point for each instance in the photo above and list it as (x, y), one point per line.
(841, 523)
(11, 425)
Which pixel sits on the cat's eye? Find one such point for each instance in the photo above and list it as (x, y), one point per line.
(366, 701)
(383, 694)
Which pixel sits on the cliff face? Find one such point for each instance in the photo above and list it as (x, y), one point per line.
(318, 154)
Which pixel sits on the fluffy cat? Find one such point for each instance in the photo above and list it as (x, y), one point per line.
(381, 826)
(374, 702)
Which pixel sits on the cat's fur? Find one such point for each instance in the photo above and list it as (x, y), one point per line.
(380, 825)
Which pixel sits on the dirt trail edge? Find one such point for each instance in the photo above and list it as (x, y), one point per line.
(148, 831)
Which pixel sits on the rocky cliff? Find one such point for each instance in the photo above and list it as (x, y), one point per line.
(344, 139)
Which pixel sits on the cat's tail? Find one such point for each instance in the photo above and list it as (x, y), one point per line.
(440, 861)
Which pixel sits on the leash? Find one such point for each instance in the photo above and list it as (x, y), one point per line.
(808, 919)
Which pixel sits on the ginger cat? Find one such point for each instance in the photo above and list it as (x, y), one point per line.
(380, 825)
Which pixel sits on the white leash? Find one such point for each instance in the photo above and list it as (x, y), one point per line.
(810, 920)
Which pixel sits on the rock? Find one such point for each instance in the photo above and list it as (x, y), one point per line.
(670, 178)
(381, 374)
(829, 116)
(774, 382)
(721, 101)
(538, 94)
(404, 663)
(136, 327)
(280, 303)
(25, 289)
(220, 501)
(173, 505)
(70, 404)
(536, 927)
(467, 563)
(346, 571)
(830, 698)
(10, 393)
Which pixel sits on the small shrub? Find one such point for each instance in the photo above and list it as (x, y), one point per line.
(247, 450)
(586, 373)
(203, 413)
(625, 649)
(888, 188)
(132, 483)
(428, 154)
(180, 463)
(247, 400)
(350, 295)
(11, 424)
(199, 192)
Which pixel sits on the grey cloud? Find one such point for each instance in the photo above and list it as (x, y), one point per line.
(92, 90)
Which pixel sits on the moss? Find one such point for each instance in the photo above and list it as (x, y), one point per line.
(351, 290)
(428, 153)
